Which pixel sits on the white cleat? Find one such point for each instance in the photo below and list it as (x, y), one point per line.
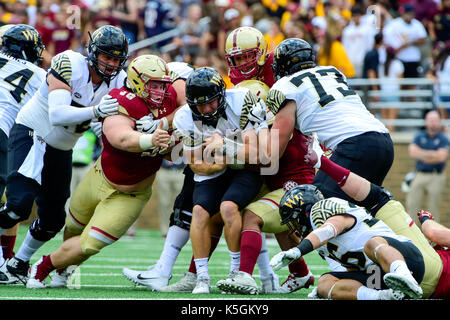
(151, 278)
(185, 284)
(61, 278)
(271, 284)
(294, 283)
(203, 286)
(6, 277)
(241, 283)
(404, 283)
(33, 281)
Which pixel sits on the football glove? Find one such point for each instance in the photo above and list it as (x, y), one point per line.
(147, 124)
(258, 114)
(283, 258)
(424, 216)
(108, 106)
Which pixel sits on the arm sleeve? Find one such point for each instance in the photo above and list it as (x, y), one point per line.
(61, 113)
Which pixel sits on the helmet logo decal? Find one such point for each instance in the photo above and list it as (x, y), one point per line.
(30, 36)
(294, 200)
(216, 80)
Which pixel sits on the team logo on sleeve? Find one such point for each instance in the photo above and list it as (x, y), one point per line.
(61, 64)
(250, 100)
(275, 100)
(325, 209)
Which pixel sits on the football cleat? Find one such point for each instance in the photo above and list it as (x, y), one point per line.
(36, 280)
(61, 277)
(6, 277)
(185, 284)
(404, 283)
(294, 283)
(241, 283)
(151, 278)
(270, 284)
(203, 286)
(18, 268)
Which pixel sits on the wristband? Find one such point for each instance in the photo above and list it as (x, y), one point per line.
(305, 247)
(145, 141)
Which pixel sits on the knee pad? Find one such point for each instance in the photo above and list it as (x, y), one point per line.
(8, 218)
(181, 218)
(40, 233)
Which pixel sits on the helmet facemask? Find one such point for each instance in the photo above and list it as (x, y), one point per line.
(155, 89)
(105, 70)
(247, 70)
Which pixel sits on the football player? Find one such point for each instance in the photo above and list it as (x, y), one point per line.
(113, 193)
(381, 205)
(20, 78)
(381, 264)
(314, 98)
(218, 188)
(47, 127)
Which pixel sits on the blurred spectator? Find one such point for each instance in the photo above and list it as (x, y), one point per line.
(157, 17)
(406, 34)
(425, 10)
(439, 26)
(357, 40)
(330, 51)
(127, 13)
(102, 16)
(430, 150)
(390, 69)
(260, 18)
(440, 72)
(61, 37)
(275, 8)
(232, 20)
(191, 31)
(274, 36)
(296, 29)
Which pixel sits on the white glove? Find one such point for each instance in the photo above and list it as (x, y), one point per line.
(283, 258)
(147, 124)
(107, 107)
(258, 114)
(97, 128)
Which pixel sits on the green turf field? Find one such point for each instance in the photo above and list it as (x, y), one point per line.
(101, 276)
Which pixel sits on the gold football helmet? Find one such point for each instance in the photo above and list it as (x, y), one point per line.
(245, 52)
(148, 77)
(259, 89)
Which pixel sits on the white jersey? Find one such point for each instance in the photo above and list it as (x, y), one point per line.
(19, 80)
(348, 248)
(325, 105)
(235, 119)
(180, 70)
(72, 68)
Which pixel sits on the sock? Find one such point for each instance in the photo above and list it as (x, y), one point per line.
(29, 246)
(201, 266)
(299, 268)
(214, 242)
(399, 266)
(365, 293)
(235, 260)
(8, 243)
(251, 244)
(44, 269)
(334, 171)
(175, 240)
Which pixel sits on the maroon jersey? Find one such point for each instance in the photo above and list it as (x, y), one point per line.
(292, 166)
(128, 168)
(442, 290)
(265, 74)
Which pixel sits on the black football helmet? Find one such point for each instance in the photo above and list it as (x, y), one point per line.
(203, 86)
(112, 42)
(295, 207)
(292, 55)
(23, 42)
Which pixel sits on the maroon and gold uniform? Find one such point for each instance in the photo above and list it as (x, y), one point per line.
(125, 168)
(265, 73)
(99, 212)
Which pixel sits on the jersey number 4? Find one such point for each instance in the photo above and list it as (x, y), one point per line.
(324, 97)
(19, 86)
